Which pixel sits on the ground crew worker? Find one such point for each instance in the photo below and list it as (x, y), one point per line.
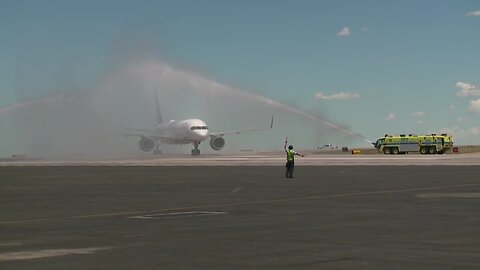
(290, 159)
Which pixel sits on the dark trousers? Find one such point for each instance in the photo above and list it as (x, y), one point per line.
(289, 171)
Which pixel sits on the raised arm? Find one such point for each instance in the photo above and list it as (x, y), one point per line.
(285, 146)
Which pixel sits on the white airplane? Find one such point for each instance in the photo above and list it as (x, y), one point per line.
(187, 131)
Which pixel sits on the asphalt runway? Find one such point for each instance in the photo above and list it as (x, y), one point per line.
(240, 217)
(262, 159)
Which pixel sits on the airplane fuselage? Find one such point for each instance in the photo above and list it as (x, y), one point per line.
(183, 132)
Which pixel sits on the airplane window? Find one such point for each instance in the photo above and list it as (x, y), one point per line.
(192, 128)
(204, 127)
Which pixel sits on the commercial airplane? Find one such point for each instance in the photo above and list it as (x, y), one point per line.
(187, 131)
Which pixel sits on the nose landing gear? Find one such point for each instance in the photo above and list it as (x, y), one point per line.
(195, 151)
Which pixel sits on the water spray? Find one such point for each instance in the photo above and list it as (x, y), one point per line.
(154, 71)
(27, 104)
(78, 124)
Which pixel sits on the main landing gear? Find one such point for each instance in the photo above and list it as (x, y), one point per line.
(157, 151)
(195, 151)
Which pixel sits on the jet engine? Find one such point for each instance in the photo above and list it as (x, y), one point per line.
(147, 144)
(217, 143)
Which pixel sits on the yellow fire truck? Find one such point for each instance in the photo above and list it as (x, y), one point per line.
(425, 144)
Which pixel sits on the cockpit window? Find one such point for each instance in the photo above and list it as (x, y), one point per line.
(199, 127)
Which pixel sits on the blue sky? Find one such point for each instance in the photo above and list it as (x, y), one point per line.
(374, 66)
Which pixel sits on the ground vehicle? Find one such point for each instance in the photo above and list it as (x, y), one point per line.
(327, 146)
(425, 144)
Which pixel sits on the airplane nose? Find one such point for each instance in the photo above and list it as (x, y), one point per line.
(201, 134)
(204, 134)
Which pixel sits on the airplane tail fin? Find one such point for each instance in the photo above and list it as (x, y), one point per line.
(157, 106)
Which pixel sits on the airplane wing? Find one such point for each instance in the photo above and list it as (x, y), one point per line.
(137, 132)
(219, 134)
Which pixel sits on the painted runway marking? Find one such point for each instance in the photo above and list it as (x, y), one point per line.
(448, 195)
(25, 221)
(317, 197)
(37, 254)
(178, 215)
(10, 244)
(236, 190)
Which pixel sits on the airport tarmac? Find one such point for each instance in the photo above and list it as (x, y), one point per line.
(239, 217)
(262, 159)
